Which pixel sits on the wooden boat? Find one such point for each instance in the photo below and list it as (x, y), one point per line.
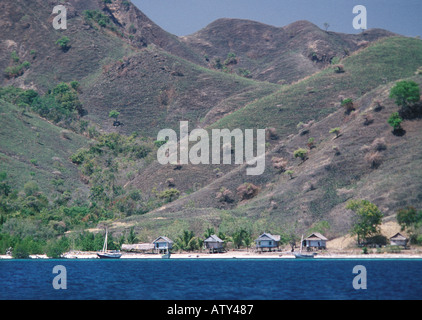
(301, 255)
(108, 254)
(166, 255)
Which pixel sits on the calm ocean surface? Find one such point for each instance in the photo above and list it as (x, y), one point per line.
(236, 279)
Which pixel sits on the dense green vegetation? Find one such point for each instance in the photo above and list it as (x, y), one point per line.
(59, 105)
(410, 220)
(16, 69)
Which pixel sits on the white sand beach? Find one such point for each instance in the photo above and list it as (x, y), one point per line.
(241, 255)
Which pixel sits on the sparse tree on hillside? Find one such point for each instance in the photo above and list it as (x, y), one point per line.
(348, 105)
(411, 220)
(326, 26)
(114, 114)
(63, 43)
(367, 218)
(336, 131)
(395, 121)
(405, 93)
(289, 173)
(301, 153)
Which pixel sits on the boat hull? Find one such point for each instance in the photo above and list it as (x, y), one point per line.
(109, 255)
(304, 256)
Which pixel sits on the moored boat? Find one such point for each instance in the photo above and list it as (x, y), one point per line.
(301, 255)
(108, 254)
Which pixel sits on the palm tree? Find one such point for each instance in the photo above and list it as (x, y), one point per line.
(185, 241)
(209, 232)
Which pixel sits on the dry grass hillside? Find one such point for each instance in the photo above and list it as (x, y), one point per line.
(280, 55)
(337, 170)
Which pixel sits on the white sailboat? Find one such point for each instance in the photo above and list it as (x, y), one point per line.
(301, 255)
(108, 254)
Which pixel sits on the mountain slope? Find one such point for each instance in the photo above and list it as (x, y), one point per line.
(32, 148)
(325, 181)
(154, 90)
(337, 170)
(277, 54)
(317, 96)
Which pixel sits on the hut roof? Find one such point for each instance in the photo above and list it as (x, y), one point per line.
(162, 239)
(268, 236)
(213, 238)
(137, 247)
(316, 236)
(398, 236)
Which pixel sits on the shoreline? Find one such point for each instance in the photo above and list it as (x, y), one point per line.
(231, 255)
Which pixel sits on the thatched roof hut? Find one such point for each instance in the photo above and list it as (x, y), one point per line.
(268, 241)
(315, 240)
(139, 247)
(398, 240)
(214, 244)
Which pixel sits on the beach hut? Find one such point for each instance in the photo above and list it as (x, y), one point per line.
(267, 241)
(138, 247)
(214, 244)
(399, 240)
(315, 240)
(162, 244)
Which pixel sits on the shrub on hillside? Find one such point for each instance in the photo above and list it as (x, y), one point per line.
(63, 43)
(339, 68)
(225, 195)
(271, 134)
(374, 158)
(169, 195)
(289, 173)
(348, 105)
(405, 93)
(279, 164)
(16, 71)
(379, 144)
(301, 153)
(369, 119)
(247, 191)
(395, 121)
(336, 131)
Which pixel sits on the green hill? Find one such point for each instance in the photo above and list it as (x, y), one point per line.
(32, 148)
(317, 96)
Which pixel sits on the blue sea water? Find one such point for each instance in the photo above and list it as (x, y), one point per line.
(235, 279)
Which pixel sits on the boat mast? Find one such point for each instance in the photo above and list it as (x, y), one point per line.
(301, 244)
(105, 242)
